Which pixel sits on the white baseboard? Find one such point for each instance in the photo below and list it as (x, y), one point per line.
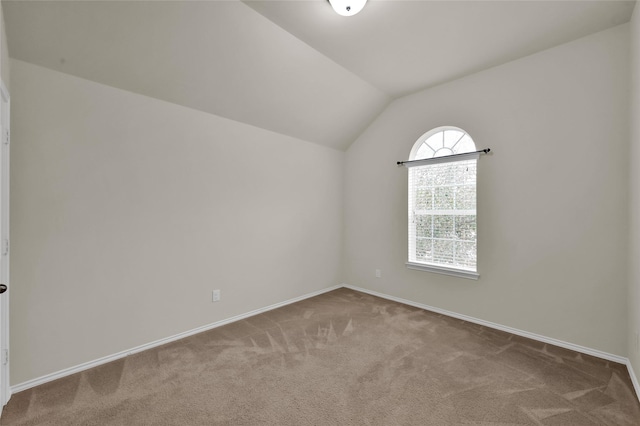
(100, 361)
(634, 379)
(538, 337)
(85, 366)
(533, 336)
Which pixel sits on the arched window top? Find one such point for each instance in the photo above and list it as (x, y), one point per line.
(442, 203)
(441, 141)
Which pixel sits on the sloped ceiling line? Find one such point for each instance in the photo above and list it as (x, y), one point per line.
(292, 67)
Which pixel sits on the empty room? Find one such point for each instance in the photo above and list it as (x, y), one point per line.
(320, 212)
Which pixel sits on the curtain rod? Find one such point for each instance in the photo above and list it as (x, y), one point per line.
(482, 151)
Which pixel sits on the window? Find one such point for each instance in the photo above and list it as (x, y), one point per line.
(442, 203)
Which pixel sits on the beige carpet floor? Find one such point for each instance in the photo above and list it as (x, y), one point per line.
(342, 358)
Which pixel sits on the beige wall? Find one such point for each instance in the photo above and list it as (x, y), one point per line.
(552, 199)
(128, 211)
(634, 199)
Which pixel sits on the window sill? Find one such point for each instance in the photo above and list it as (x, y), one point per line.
(460, 273)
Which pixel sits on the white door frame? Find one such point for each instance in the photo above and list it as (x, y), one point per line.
(5, 124)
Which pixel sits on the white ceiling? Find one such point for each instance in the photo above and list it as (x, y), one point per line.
(293, 67)
(404, 46)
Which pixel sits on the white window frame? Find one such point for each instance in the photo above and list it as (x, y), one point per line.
(467, 155)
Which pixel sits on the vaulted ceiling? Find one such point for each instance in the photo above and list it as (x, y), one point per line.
(293, 67)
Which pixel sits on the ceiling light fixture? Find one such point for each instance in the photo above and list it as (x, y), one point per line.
(347, 7)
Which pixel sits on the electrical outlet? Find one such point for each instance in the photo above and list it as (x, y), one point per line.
(215, 297)
(378, 273)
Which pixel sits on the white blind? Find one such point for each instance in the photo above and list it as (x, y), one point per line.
(442, 214)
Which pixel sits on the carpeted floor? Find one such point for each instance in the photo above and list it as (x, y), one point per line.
(342, 358)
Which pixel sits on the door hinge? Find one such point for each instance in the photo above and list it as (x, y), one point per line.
(5, 247)
(5, 357)
(6, 137)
